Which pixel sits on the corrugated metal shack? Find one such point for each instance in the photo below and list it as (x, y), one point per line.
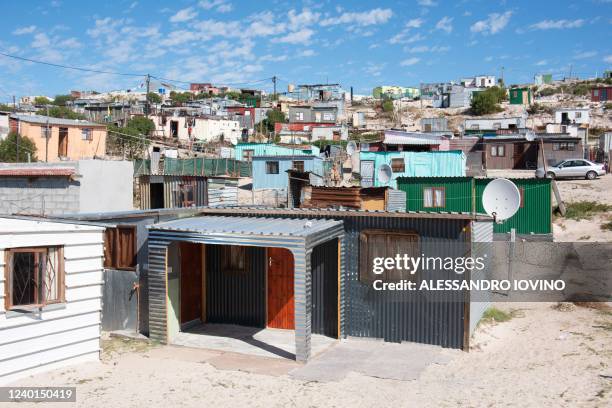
(219, 268)
(125, 300)
(441, 318)
(165, 191)
(360, 198)
(464, 194)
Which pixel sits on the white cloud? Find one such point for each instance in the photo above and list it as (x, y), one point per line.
(273, 58)
(585, 55)
(425, 48)
(25, 30)
(404, 38)
(264, 24)
(410, 61)
(541, 63)
(366, 18)
(373, 69)
(414, 23)
(297, 37)
(307, 53)
(557, 24)
(488, 59)
(494, 23)
(445, 24)
(221, 6)
(70, 43)
(427, 3)
(183, 15)
(304, 19)
(608, 59)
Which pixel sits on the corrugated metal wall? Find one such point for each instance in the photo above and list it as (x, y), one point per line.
(172, 196)
(402, 316)
(482, 246)
(396, 200)
(324, 265)
(458, 193)
(119, 300)
(535, 216)
(236, 298)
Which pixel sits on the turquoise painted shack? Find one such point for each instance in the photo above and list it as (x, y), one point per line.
(246, 151)
(270, 172)
(410, 164)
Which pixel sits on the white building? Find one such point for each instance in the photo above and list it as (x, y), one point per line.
(518, 122)
(4, 124)
(479, 81)
(56, 323)
(186, 128)
(572, 115)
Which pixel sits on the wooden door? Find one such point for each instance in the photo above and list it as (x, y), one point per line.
(62, 148)
(281, 309)
(191, 281)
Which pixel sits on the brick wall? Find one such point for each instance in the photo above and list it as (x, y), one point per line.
(39, 196)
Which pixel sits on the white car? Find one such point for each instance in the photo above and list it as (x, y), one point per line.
(570, 168)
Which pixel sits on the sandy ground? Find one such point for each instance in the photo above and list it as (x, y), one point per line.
(543, 357)
(599, 190)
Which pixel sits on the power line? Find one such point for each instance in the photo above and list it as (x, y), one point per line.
(96, 71)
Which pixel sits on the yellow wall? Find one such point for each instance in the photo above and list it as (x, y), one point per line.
(77, 147)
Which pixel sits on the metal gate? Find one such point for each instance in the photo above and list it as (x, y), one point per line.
(367, 173)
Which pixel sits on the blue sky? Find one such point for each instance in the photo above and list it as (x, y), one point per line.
(354, 43)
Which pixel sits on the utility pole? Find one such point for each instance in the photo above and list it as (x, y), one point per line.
(502, 77)
(570, 71)
(148, 81)
(47, 138)
(274, 82)
(14, 104)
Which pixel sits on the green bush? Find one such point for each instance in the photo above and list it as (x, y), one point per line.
(13, 151)
(387, 106)
(584, 210)
(484, 103)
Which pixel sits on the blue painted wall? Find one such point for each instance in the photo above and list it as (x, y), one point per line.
(419, 164)
(280, 180)
(270, 149)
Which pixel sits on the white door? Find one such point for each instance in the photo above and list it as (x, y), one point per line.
(367, 173)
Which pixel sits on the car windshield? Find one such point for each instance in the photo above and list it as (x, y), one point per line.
(559, 163)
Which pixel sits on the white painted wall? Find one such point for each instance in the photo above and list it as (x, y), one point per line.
(580, 116)
(106, 185)
(65, 334)
(206, 129)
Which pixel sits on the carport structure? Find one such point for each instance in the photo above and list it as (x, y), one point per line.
(262, 272)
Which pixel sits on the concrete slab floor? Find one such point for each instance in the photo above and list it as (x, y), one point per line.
(374, 358)
(275, 343)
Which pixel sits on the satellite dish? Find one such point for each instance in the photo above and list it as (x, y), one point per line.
(530, 136)
(384, 173)
(501, 199)
(351, 148)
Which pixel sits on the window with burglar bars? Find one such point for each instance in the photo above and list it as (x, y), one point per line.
(35, 277)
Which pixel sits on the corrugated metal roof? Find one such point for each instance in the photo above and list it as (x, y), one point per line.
(336, 213)
(23, 225)
(405, 138)
(247, 226)
(37, 172)
(39, 119)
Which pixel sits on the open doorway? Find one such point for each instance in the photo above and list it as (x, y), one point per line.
(174, 128)
(156, 195)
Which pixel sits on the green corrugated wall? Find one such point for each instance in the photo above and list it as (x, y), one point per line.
(458, 192)
(534, 217)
